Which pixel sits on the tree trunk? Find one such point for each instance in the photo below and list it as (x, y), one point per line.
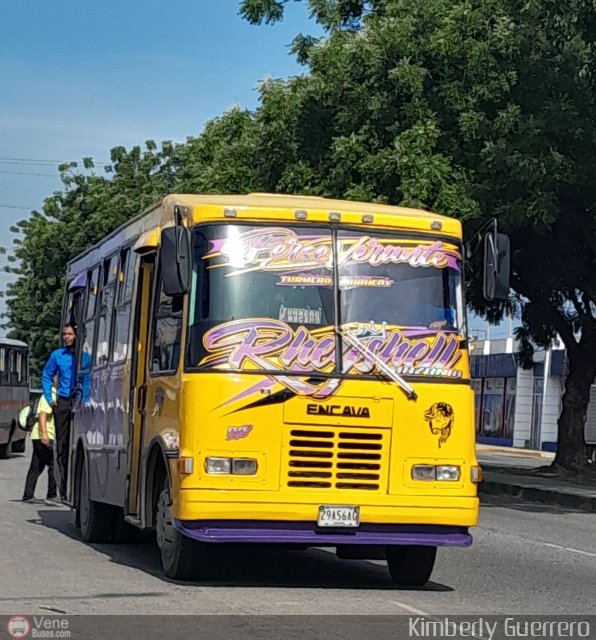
(571, 446)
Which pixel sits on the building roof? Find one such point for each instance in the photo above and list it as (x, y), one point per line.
(12, 343)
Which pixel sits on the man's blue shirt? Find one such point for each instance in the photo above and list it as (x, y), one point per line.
(61, 362)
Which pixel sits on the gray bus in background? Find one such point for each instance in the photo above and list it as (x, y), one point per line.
(14, 394)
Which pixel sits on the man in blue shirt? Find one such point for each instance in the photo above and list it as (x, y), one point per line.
(62, 363)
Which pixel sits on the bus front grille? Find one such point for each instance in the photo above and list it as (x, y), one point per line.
(337, 458)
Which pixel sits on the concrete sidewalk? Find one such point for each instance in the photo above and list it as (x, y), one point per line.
(513, 452)
(525, 475)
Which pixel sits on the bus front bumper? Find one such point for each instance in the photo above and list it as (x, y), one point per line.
(306, 533)
(236, 516)
(194, 505)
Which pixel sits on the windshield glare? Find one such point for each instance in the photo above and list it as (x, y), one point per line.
(265, 297)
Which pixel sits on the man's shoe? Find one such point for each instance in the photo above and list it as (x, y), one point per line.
(52, 502)
(29, 500)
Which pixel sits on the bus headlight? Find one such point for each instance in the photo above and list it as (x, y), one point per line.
(423, 472)
(448, 473)
(235, 466)
(219, 466)
(244, 466)
(440, 473)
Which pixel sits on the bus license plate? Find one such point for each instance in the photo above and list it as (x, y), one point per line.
(338, 516)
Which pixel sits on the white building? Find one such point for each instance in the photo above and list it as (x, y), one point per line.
(516, 407)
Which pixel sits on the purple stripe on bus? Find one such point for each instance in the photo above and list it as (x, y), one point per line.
(275, 532)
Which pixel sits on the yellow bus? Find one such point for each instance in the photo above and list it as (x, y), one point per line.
(277, 369)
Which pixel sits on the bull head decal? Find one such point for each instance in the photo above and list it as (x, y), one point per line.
(440, 420)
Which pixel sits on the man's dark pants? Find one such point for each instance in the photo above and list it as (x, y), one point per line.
(42, 457)
(62, 423)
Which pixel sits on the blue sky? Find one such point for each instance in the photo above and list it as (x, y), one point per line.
(79, 78)
(82, 77)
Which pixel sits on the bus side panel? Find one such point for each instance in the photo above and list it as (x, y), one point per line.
(13, 397)
(8, 410)
(90, 424)
(116, 407)
(85, 425)
(14, 391)
(100, 422)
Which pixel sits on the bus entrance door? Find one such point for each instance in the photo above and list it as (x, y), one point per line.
(138, 383)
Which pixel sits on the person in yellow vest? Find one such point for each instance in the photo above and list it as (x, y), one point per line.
(43, 435)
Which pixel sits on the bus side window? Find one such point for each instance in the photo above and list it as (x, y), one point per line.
(12, 366)
(25, 365)
(70, 311)
(166, 335)
(3, 376)
(89, 322)
(18, 366)
(123, 305)
(128, 263)
(106, 310)
(7, 377)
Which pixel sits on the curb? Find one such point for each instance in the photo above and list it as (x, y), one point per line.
(533, 493)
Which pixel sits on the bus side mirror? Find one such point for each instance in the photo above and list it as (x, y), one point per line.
(174, 260)
(497, 258)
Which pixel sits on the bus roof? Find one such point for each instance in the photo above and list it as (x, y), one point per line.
(268, 206)
(9, 342)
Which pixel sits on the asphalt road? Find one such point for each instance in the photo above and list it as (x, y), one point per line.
(526, 559)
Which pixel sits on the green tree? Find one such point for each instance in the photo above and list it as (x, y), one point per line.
(88, 207)
(222, 158)
(472, 109)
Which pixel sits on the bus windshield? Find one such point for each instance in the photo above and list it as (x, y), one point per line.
(399, 282)
(269, 298)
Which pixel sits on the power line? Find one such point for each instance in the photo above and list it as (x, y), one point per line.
(16, 206)
(27, 173)
(50, 163)
(8, 160)
(32, 160)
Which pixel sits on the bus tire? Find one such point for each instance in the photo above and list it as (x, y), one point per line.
(5, 451)
(95, 517)
(410, 566)
(181, 558)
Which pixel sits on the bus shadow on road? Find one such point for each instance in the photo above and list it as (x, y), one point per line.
(246, 566)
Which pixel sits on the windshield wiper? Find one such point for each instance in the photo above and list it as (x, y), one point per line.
(350, 337)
